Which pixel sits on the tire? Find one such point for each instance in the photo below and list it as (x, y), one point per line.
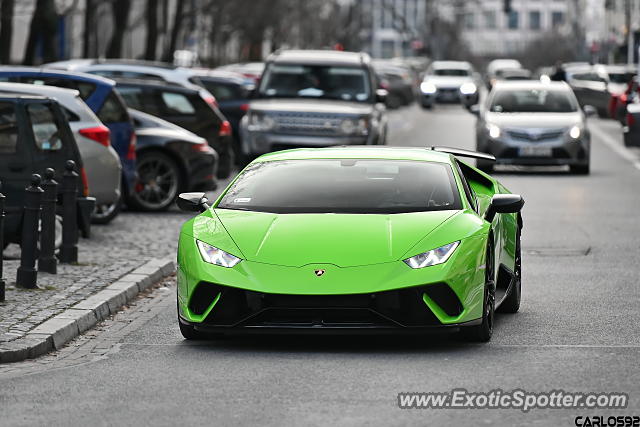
(104, 214)
(511, 304)
(579, 169)
(484, 331)
(225, 164)
(189, 333)
(159, 182)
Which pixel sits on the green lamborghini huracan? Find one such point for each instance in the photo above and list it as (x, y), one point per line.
(351, 239)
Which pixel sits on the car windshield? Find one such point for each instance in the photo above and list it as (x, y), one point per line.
(532, 101)
(343, 186)
(451, 72)
(621, 78)
(315, 81)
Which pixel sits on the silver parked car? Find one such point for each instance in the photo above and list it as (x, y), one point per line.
(101, 162)
(533, 123)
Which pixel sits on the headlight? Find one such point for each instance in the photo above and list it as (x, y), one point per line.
(216, 256)
(575, 132)
(351, 126)
(494, 131)
(468, 88)
(260, 122)
(427, 87)
(432, 257)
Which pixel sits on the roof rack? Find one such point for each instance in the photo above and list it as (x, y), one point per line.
(463, 153)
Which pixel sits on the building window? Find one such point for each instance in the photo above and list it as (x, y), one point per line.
(513, 20)
(469, 21)
(557, 19)
(490, 19)
(534, 20)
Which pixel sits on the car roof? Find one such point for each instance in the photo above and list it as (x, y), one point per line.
(333, 57)
(42, 90)
(531, 84)
(13, 97)
(156, 85)
(52, 72)
(359, 152)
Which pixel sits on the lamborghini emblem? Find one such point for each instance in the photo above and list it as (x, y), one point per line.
(319, 272)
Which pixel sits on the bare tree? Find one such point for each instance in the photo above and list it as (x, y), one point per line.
(120, 10)
(6, 30)
(178, 19)
(43, 28)
(152, 30)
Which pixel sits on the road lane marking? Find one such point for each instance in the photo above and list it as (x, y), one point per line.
(615, 146)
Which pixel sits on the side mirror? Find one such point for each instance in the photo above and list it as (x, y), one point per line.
(381, 95)
(192, 202)
(589, 110)
(504, 203)
(475, 110)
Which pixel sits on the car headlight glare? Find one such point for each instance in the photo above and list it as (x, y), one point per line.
(468, 88)
(575, 132)
(261, 122)
(433, 257)
(353, 126)
(494, 131)
(428, 87)
(216, 256)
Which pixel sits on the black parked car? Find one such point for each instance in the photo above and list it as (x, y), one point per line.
(171, 160)
(232, 92)
(34, 136)
(186, 108)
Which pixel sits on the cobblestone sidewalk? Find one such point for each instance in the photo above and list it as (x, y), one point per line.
(113, 251)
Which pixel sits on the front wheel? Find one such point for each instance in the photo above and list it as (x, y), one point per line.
(579, 169)
(159, 182)
(106, 212)
(484, 331)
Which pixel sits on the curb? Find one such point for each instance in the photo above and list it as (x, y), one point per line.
(63, 327)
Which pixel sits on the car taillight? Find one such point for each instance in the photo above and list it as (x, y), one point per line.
(85, 182)
(244, 107)
(211, 101)
(623, 97)
(131, 151)
(225, 129)
(201, 148)
(99, 134)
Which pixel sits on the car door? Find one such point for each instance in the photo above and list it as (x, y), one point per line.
(15, 159)
(53, 143)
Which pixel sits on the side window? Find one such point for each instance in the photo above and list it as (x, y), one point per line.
(8, 128)
(471, 197)
(177, 103)
(224, 92)
(45, 129)
(113, 110)
(70, 115)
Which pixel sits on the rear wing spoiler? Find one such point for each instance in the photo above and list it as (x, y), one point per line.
(464, 153)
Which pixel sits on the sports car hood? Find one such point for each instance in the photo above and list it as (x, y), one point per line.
(534, 120)
(345, 240)
(311, 106)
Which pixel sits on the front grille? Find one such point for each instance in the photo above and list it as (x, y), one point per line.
(403, 307)
(307, 123)
(535, 136)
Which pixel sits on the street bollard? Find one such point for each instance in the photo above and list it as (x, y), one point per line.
(27, 273)
(47, 260)
(2, 282)
(69, 249)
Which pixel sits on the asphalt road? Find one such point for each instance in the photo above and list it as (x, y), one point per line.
(577, 330)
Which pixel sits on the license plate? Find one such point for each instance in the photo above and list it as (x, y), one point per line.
(535, 151)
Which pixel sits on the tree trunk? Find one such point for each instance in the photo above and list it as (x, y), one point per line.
(152, 30)
(88, 38)
(43, 28)
(6, 30)
(175, 31)
(120, 10)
